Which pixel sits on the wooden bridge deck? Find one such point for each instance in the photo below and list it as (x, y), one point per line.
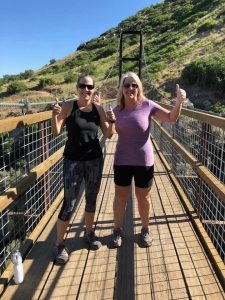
(174, 267)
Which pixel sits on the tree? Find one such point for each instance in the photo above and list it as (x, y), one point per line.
(16, 87)
(52, 61)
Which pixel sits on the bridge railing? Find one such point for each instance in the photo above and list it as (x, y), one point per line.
(30, 177)
(31, 180)
(194, 148)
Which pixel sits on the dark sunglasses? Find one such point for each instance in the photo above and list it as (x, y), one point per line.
(83, 86)
(128, 85)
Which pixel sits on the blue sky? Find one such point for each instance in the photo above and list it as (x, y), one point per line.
(33, 32)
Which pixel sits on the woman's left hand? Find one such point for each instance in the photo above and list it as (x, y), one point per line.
(181, 94)
(110, 114)
(97, 98)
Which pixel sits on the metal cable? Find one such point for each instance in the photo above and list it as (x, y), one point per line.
(150, 80)
(113, 65)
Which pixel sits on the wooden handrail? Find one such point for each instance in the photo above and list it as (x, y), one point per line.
(17, 122)
(200, 116)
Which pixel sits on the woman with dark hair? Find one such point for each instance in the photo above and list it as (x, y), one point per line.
(83, 159)
(134, 153)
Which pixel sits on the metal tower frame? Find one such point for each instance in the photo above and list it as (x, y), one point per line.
(138, 58)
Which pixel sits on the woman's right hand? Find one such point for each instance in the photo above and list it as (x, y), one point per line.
(56, 108)
(181, 94)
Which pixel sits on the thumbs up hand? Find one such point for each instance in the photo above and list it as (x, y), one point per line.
(110, 114)
(97, 97)
(181, 94)
(56, 108)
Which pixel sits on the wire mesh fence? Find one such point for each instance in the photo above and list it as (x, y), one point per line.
(206, 144)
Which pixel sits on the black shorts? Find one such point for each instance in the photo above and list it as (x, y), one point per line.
(143, 176)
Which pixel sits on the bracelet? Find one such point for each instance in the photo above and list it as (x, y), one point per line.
(112, 121)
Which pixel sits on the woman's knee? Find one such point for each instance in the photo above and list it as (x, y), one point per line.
(142, 194)
(122, 192)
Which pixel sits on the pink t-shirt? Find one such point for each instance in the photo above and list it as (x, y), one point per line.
(134, 147)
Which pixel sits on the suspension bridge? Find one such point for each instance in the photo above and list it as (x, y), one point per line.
(187, 221)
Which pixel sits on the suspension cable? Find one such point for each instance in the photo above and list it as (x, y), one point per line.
(112, 67)
(149, 77)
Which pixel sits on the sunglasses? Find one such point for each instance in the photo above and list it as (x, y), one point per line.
(128, 85)
(83, 86)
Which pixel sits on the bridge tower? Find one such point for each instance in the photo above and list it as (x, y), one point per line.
(138, 58)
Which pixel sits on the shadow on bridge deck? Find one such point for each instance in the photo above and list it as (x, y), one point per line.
(174, 267)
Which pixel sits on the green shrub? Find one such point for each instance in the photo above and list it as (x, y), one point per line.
(26, 74)
(8, 78)
(43, 82)
(56, 69)
(94, 44)
(8, 145)
(16, 87)
(70, 77)
(183, 11)
(218, 108)
(210, 24)
(89, 69)
(206, 72)
(156, 67)
(107, 51)
(70, 64)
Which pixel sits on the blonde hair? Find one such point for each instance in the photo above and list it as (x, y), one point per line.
(120, 96)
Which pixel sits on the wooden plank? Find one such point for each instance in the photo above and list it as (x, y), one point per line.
(171, 253)
(142, 272)
(169, 284)
(184, 236)
(125, 276)
(99, 274)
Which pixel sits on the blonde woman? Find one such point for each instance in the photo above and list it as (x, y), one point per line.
(134, 153)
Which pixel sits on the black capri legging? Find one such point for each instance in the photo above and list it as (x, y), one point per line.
(143, 175)
(74, 173)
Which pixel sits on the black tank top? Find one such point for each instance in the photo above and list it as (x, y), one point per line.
(82, 131)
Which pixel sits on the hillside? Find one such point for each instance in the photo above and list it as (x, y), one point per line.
(183, 43)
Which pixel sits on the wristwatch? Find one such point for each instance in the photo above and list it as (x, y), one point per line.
(112, 121)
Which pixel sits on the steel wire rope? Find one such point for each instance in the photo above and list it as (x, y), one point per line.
(149, 77)
(112, 67)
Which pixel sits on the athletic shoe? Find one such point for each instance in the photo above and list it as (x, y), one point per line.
(92, 240)
(145, 238)
(61, 254)
(117, 238)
